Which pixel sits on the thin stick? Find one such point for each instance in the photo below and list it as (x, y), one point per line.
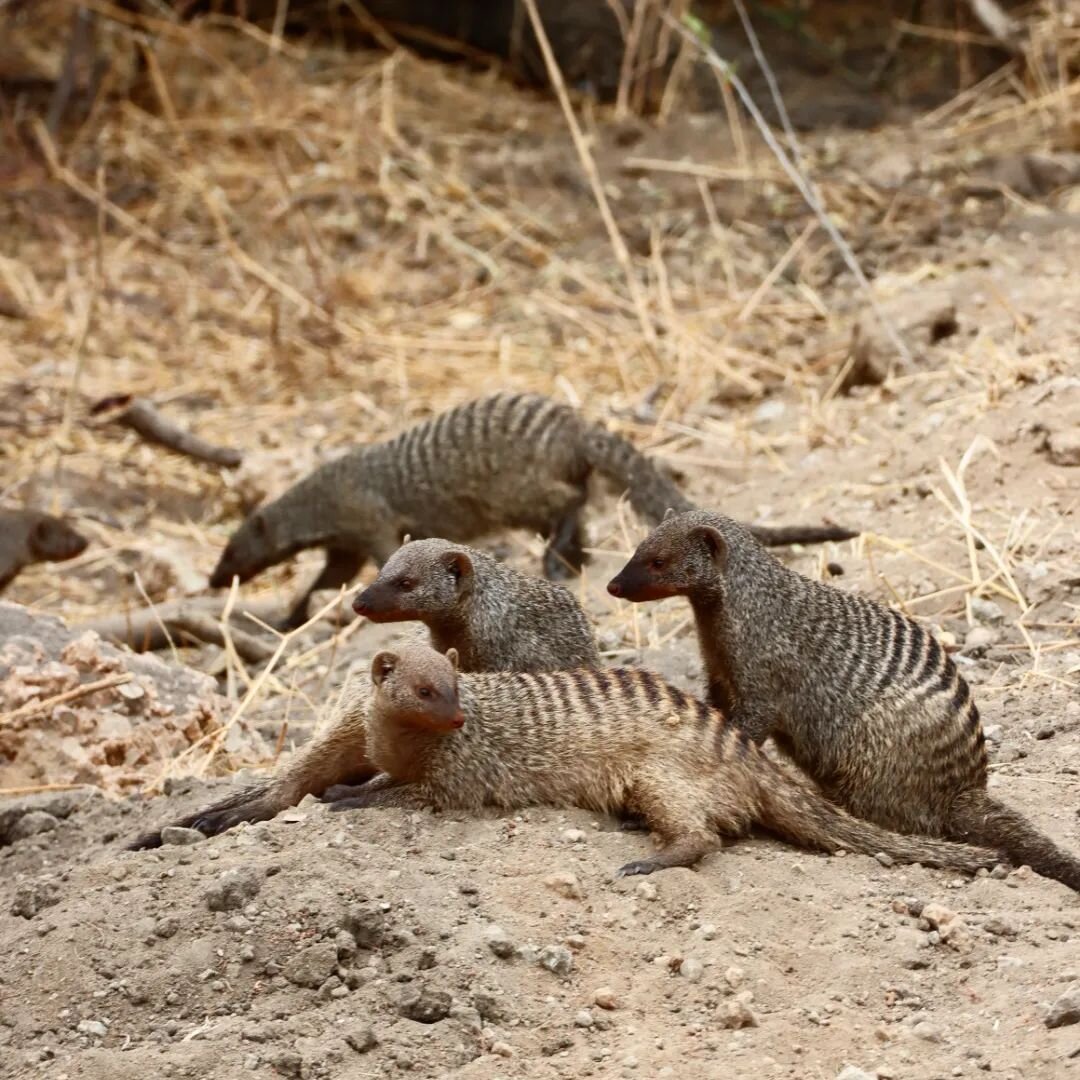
(727, 74)
(33, 708)
(588, 165)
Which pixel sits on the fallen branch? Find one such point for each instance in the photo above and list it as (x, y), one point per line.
(43, 705)
(143, 417)
(203, 627)
(144, 630)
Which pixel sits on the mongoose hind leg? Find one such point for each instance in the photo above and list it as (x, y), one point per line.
(342, 565)
(676, 811)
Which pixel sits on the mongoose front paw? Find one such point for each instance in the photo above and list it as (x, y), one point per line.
(633, 824)
(355, 803)
(641, 866)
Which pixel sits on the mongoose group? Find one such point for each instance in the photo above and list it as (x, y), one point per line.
(508, 461)
(860, 697)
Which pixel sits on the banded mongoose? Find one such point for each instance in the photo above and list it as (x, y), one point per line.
(30, 536)
(862, 698)
(618, 740)
(496, 618)
(508, 461)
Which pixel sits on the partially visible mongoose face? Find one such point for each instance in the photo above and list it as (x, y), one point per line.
(52, 540)
(422, 580)
(676, 558)
(417, 687)
(246, 552)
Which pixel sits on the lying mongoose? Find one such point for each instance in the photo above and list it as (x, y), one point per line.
(509, 461)
(494, 617)
(618, 740)
(29, 536)
(861, 697)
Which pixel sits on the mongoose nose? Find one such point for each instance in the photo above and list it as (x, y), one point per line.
(358, 604)
(614, 588)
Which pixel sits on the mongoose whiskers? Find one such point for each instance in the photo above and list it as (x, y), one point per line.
(496, 618)
(508, 461)
(861, 697)
(612, 740)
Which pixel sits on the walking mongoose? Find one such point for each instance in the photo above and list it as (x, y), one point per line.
(861, 697)
(29, 536)
(494, 617)
(508, 461)
(615, 740)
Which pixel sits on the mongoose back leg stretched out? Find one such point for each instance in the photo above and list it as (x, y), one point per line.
(610, 740)
(508, 461)
(862, 698)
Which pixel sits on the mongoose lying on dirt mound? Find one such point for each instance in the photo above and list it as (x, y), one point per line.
(29, 536)
(509, 461)
(494, 617)
(614, 740)
(861, 697)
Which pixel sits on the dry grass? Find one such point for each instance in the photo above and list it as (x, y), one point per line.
(292, 248)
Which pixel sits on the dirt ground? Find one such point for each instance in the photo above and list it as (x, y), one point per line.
(326, 945)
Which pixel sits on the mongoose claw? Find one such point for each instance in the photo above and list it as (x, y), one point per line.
(639, 866)
(633, 824)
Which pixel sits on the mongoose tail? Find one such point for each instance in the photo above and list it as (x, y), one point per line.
(977, 818)
(799, 813)
(653, 495)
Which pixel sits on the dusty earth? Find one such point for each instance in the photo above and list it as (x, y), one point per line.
(359, 945)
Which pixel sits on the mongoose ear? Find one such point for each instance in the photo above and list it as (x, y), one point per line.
(382, 666)
(669, 512)
(406, 539)
(452, 656)
(258, 522)
(714, 543)
(458, 563)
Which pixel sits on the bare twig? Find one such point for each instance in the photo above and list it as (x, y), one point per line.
(35, 708)
(588, 164)
(143, 417)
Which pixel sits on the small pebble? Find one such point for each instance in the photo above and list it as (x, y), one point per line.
(1064, 1012)
(646, 890)
(604, 997)
(564, 884)
(583, 1019)
(176, 836)
(498, 941)
(556, 959)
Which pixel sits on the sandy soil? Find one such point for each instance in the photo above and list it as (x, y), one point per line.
(326, 945)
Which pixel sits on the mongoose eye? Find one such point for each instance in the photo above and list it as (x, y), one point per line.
(406, 584)
(423, 692)
(657, 564)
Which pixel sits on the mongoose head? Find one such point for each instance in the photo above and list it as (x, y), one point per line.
(423, 580)
(52, 540)
(683, 554)
(253, 547)
(416, 687)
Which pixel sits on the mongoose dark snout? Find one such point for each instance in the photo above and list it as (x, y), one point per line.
(634, 584)
(382, 603)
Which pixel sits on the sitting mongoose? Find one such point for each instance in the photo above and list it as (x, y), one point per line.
(618, 740)
(494, 617)
(864, 699)
(509, 461)
(29, 536)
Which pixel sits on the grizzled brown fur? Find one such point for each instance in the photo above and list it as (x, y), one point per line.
(861, 697)
(509, 461)
(496, 618)
(29, 536)
(613, 740)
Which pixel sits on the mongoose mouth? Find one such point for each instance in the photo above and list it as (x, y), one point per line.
(639, 592)
(377, 614)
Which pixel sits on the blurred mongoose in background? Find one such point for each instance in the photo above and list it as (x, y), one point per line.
(509, 461)
(862, 698)
(29, 536)
(494, 617)
(618, 740)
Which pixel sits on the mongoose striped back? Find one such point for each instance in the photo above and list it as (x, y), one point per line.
(860, 696)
